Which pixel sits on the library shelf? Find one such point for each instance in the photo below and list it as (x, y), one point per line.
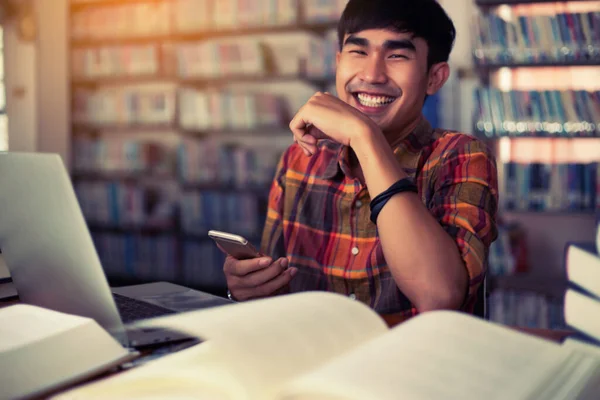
(134, 230)
(199, 81)
(78, 5)
(553, 213)
(224, 187)
(493, 3)
(537, 135)
(485, 67)
(121, 127)
(137, 176)
(197, 36)
(547, 285)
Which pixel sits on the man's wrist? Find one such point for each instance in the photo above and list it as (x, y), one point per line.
(230, 296)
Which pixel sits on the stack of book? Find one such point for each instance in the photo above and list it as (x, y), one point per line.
(582, 299)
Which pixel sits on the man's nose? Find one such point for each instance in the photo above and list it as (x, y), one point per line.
(374, 70)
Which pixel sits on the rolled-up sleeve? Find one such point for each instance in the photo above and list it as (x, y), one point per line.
(465, 202)
(272, 238)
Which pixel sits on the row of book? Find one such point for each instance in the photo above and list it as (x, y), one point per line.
(238, 110)
(208, 162)
(194, 263)
(537, 113)
(173, 16)
(116, 60)
(120, 20)
(563, 37)
(285, 54)
(152, 258)
(116, 204)
(551, 187)
(148, 104)
(526, 309)
(299, 53)
(121, 154)
(240, 212)
(120, 205)
(202, 264)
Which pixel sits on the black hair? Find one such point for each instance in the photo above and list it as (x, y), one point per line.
(422, 18)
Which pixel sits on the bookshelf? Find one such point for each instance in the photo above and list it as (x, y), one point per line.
(537, 106)
(179, 115)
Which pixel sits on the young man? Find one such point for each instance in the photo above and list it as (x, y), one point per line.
(370, 201)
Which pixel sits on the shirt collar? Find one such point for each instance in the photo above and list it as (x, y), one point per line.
(407, 152)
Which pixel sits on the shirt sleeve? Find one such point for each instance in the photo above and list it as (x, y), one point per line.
(272, 243)
(465, 202)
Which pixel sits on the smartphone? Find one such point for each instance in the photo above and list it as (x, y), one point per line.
(235, 245)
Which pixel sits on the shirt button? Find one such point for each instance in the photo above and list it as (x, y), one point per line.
(355, 250)
(358, 204)
(352, 296)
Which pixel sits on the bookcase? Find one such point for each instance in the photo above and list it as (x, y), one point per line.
(179, 115)
(538, 106)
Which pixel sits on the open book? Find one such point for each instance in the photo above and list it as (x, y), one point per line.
(43, 350)
(325, 346)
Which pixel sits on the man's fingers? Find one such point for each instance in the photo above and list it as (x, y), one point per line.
(244, 267)
(260, 277)
(268, 288)
(275, 284)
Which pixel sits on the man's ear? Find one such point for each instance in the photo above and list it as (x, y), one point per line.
(337, 58)
(438, 75)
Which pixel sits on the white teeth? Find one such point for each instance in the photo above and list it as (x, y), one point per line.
(374, 101)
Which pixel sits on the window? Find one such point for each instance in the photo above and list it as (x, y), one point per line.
(3, 118)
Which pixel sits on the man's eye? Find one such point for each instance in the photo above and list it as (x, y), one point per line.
(400, 56)
(362, 53)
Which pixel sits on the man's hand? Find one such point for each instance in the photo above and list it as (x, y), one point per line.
(326, 117)
(257, 277)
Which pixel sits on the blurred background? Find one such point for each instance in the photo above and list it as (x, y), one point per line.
(172, 114)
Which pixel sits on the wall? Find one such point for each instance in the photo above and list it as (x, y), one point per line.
(37, 83)
(21, 95)
(53, 103)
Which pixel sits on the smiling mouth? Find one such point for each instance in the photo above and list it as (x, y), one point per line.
(373, 101)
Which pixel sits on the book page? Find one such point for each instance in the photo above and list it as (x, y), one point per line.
(581, 313)
(582, 347)
(437, 355)
(258, 345)
(17, 322)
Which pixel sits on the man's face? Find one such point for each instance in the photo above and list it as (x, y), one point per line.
(383, 74)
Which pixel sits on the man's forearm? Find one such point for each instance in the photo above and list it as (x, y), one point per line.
(422, 256)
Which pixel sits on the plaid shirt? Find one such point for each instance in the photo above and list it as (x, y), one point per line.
(318, 215)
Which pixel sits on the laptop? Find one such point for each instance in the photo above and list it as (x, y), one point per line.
(53, 262)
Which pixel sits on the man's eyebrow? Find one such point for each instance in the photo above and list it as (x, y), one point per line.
(400, 44)
(355, 40)
(403, 44)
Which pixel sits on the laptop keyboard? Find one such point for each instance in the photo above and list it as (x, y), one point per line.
(134, 310)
